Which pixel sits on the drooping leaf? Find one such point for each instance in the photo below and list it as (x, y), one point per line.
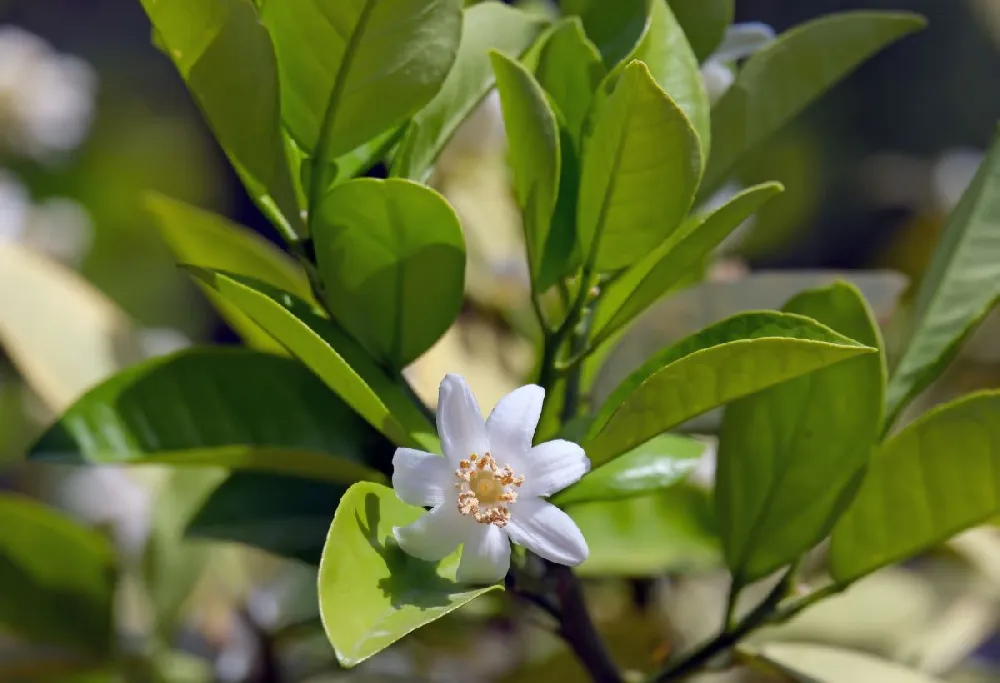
(569, 70)
(657, 464)
(808, 663)
(392, 260)
(704, 22)
(958, 290)
(724, 362)
(533, 141)
(935, 478)
(663, 268)
(666, 531)
(485, 27)
(790, 457)
(201, 238)
(353, 69)
(226, 58)
(640, 172)
(58, 578)
(329, 352)
(371, 593)
(779, 81)
(225, 406)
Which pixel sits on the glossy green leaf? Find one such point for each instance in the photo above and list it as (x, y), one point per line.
(667, 265)
(58, 578)
(704, 23)
(392, 260)
(533, 143)
(329, 352)
(569, 70)
(935, 478)
(668, 531)
(640, 172)
(791, 457)
(202, 238)
(664, 48)
(724, 362)
(353, 69)
(485, 27)
(209, 398)
(808, 663)
(614, 27)
(371, 593)
(657, 464)
(958, 290)
(781, 79)
(226, 58)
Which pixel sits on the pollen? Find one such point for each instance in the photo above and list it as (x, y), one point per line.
(485, 489)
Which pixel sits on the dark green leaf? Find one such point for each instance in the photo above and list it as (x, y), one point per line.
(935, 478)
(614, 27)
(657, 464)
(790, 457)
(371, 593)
(226, 58)
(392, 260)
(329, 352)
(640, 172)
(486, 26)
(353, 69)
(569, 70)
(58, 578)
(724, 362)
(704, 23)
(959, 289)
(780, 80)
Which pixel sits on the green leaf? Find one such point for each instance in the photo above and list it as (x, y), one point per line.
(640, 173)
(791, 457)
(226, 58)
(533, 141)
(328, 351)
(569, 70)
(58, 578)
(663, 47)
(822, 664)
(353, 69)
(704, 23)
(202, 238)
(668, 531)
(392, 260)
(615, 27)
(667, 265)
(485, 27)
(959, 289)
(371, 593)
(781, 79)
(724, 362)
(657, 464)
(936, 477)
(216, 406)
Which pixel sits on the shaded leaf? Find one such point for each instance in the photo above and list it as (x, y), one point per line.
(569, 70)
(615, 27)
(704, 23)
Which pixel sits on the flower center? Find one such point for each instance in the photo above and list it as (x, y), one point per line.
(485, 489)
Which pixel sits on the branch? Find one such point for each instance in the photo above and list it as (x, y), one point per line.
(577, 629)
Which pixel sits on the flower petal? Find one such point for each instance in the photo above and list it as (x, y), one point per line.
(485, 557)
(459, 420)
(547, 531)
(552, 466)
(743, 40)
(421, 478)
(435, 534)
(511, 425)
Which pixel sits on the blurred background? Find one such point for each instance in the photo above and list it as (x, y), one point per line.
(92, 116)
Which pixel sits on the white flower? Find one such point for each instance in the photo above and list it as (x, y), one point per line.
(489, 486)
(741, 41)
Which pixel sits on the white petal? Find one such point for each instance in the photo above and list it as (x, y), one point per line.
(743, 40)
(435, 534)
(718, 78)
(485, 557)
(547, 531)
(459, 420)
(421, 478)
(552, 466)
(511, 425)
